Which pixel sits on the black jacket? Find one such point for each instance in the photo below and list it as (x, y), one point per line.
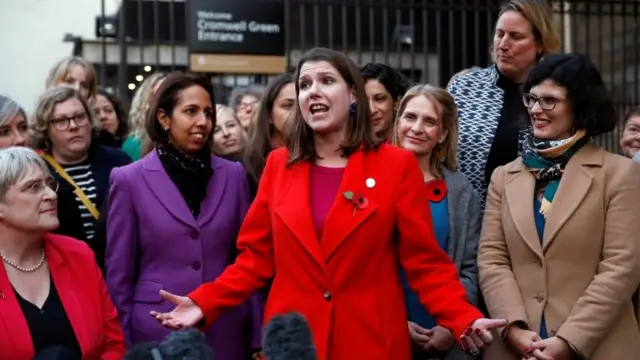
(103, 159)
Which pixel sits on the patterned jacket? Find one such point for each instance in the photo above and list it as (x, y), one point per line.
(479, 101)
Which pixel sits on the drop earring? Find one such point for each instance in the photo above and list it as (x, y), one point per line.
(439, 152)
(352, 109)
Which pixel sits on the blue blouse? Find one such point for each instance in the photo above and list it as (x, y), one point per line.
(415, 311)
(540, 223)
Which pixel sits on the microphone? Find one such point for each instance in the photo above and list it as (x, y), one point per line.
(185, 344)
(288, 337)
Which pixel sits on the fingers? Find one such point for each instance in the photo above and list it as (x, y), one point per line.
(426, 332)
(160, 316)
(538, 345)
(172, 324)
(489, 324)
(539, 355)
(475, 337)
(485, 336)
(469, 345)
(170, 297)
(417, 335)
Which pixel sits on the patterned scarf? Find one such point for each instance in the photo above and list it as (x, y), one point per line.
(547, 159)
(191, 175)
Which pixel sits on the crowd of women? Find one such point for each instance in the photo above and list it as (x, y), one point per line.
(404, 221)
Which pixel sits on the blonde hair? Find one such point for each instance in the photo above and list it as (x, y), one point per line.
(61, 69)
(45, 107)
(539, 14)
(448, 116)
(141, 103)
(224, 108)
(220, 108)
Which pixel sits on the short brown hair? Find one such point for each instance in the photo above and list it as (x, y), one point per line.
(359, 128)
(41, 117)
(448, 115)
(166, 99)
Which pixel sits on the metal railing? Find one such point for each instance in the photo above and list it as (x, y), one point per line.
(428, 40)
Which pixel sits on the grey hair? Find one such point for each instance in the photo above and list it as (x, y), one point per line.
(239, 92)
(9, 109)
(15, 163)
(44, 111)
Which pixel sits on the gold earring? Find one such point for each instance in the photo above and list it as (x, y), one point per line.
(440, 152)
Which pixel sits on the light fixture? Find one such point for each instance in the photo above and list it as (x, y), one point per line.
(132, 86)
(147, 68)
(139, 77)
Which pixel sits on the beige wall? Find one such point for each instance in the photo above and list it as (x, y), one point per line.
(31, 33)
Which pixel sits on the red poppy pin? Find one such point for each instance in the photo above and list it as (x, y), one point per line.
(358, 199)
(436, 190)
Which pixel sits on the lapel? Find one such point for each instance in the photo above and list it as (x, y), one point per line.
(575, 183)
(294, 208)
(165, 190)
(455, 243)
(100, 168)
(11, 315)
(520, 189)
(341, 220)
(66, 286)
(216, 187)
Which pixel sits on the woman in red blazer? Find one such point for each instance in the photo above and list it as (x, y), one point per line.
(335, 215)
(52, 295)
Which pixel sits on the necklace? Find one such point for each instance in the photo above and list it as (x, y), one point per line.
(23, 269)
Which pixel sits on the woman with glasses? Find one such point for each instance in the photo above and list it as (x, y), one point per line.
(245, 102)
(559, 254)
(53, 299)
(65, 131)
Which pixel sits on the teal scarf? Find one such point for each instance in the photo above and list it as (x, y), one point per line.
(547, 161)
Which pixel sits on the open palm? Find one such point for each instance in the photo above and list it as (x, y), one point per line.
(186, 313)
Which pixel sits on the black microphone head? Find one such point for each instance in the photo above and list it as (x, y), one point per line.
(288, 337)
(186, 344)
(141, 351)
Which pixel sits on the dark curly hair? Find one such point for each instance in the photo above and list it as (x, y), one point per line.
(393, 81)
(592, 104)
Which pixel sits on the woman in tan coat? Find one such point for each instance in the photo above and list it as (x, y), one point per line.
(559, 255)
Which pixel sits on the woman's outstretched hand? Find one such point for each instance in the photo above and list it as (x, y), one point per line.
(186, 314)
(478, 336)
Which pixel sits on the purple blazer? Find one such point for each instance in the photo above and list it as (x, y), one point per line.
(154, 242)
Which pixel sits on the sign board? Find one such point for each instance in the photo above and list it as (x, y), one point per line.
(237, 36)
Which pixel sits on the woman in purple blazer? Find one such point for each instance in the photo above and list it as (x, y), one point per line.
(173, 221)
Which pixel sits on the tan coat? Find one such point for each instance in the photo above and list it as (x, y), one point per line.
(583, 276)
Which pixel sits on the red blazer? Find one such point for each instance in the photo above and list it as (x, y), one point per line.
(347, 283)
(84, 297)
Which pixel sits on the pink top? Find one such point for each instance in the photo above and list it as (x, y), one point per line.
(325, 183)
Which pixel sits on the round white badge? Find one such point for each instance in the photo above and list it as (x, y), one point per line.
(370, 183)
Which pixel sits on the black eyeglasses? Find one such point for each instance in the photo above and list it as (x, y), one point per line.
(546, 102)
(62, 123)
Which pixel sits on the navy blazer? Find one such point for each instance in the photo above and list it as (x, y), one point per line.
(103, 159)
